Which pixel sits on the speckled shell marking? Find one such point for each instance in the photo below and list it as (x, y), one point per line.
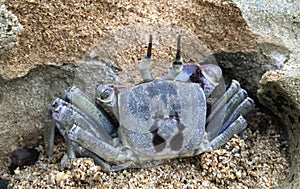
(162, 117)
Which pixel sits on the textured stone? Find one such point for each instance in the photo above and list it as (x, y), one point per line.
(9, 28)
(23, 101)
(276, 24)
(280, 92)
(22, 108)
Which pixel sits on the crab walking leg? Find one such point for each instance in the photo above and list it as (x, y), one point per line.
(99, 147)
(68, 115)
(49, 132)
(105, 166)
(226, 111)
(84, 151)
(177, 63)
(70, 149)
(246, 106)
(64, 133)
(216, 118)
(145, 64)
(65, 117)
(81, 102)
(233, 88)
(235, 128)
(234, 102)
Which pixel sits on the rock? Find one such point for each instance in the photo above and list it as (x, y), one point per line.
(277, 27)
(23, 157)
(9, 28)
(3, 183)
(246, 67)
(23, 102)
(276, 24)
(280, 92)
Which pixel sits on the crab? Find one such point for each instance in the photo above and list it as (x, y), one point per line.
(172, 116)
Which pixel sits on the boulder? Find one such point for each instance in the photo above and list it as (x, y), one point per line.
(9, 28)
(280, 92)
(23, 101)
(277, 26)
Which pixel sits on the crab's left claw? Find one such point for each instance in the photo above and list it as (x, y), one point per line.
(212, 73)
(145, 64)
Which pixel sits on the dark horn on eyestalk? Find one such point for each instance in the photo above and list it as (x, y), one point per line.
(149, 47)
(178, 53)
(177, 63)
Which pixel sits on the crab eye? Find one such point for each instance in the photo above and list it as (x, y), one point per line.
(106, 94)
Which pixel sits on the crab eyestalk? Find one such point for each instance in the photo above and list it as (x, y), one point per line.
(145, 64)
(177, 63)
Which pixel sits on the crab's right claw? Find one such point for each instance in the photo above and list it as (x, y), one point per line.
(145, 64)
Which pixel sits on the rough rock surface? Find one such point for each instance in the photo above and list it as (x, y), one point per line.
(280, 92)
(23, 102)
(274, 22)
(9, 28)
(277, 26)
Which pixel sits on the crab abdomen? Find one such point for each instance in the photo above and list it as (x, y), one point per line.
(162, 117)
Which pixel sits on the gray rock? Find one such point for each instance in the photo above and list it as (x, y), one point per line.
(274, 21)
(246, 67)
(280, 92)
(277, 26)
(92, 72)
(9, 28)
(23, 101)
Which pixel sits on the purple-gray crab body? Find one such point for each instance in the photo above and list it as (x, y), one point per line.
(157, 119)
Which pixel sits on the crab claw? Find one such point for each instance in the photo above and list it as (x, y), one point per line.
(64, 115)
(212, 73)
(145, 64)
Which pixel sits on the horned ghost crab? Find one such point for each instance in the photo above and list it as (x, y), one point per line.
(163, 118)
